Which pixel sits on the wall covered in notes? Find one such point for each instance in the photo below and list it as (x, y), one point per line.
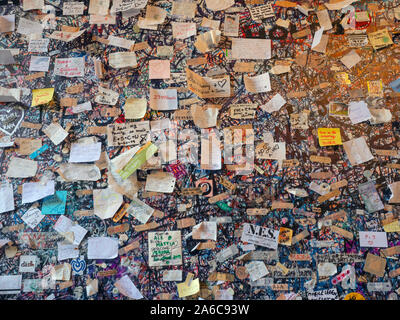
(249, 146)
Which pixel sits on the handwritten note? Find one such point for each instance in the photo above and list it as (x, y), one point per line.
(165, 248)
(329, 137)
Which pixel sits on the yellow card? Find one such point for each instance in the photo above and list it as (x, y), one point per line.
(42, 96)
(185, 290)
(329, 137)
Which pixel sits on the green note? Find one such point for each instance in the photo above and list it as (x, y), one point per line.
(138, 160)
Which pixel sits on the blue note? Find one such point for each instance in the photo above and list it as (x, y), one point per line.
(395, 85)
(55, 204)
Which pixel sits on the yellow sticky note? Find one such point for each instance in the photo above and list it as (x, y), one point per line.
(375, 88)
(135, 108)
(342, 77)
(42, 96)
(392, 227)
(184, 290)
(285, 236)
(329, 137)
(282, 267)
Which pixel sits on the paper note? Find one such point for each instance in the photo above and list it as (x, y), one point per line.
(205, 230)
(207, 41)
(140, 210)
(55, 133)
(351, 59)
(106, 96)
(32, 4)
(120, 42)
(79, 172)
(329, 137)
(163, 99)
(219, 5)
(262, 12)
(135, 108)
(33, 191)
(159, 69)
(211, 155)
(85, 152)
(65, 225)
(165, 248)
(205, 87)
(27, 263)
(274, 104)
(204, 116)
(243, 111)
(70, 67)
(7, 23)
(183, 30)
(32, 217)
(6, 197)
(380, 39)
(6, 57)
(21, 168)
(370, 197)
(359, 112)
(373, 239)
(185, 290)
(231, 25)
(317, 37)
(126, 287)
(357, 151)
(375, 265)
(123, 60)
(257, 84)
(55, 204)
(256, 270)
(106, 202)
(261, 236)
(39, 64)
(65, 36)
(29, 27)
(160, 182)
(73, 8)
(67, 251)
(102, 248)
(42, 96)
(141, 156)
(260, 48)
(127, 134)
(324, 19)
(10, 284)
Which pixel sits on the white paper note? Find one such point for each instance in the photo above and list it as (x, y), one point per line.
(373, 239)
(126, 287)
(33, 191)
(6, 197)
(32, 217)
(85, 152)
(260, 48)
(359, 112)
(102, 248)
(21, 168)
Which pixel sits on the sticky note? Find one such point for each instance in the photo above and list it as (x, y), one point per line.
(42, 96)
(329, 137)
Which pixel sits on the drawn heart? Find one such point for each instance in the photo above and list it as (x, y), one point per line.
(10, 118)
